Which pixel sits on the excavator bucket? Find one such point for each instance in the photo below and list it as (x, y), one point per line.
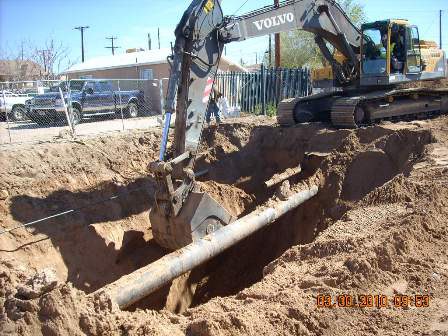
(200, 215)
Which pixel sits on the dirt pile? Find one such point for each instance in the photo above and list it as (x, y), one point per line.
(87, 247)
(378, 225)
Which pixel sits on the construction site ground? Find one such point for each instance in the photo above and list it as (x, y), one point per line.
(378, 226)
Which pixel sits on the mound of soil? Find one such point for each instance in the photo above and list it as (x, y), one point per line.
(377, 226)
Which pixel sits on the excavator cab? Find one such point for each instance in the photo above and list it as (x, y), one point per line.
(390, 50)
(391, 54)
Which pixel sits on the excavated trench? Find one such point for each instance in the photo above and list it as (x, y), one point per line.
(353, 163)
(239, 159)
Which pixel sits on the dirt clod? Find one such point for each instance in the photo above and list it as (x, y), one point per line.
(41, 283)
(3, 194)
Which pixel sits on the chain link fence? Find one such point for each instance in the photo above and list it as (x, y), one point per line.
(43, 110)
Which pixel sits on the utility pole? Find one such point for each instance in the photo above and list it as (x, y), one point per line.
(440, 28)
(158, 36)
(277, 43)
(112, 38)
(256, 58)
(81, 28)
(149, 41)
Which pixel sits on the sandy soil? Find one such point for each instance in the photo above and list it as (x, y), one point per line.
(377, 226)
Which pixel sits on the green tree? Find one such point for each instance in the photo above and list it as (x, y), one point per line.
(298, 48)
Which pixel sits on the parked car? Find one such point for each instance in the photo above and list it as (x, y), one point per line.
(13, 105)
(88, 98)
(32, 92)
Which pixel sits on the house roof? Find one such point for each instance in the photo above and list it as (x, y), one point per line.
(253, 67)
(122, 60)
(158, 56)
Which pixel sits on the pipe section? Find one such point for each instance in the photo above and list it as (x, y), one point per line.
(139, 284)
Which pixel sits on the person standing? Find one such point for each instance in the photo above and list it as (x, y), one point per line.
(213, 108)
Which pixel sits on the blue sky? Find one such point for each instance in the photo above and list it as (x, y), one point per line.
(36, 21)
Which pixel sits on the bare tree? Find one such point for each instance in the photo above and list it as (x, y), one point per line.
(47, 61)
(53, 57)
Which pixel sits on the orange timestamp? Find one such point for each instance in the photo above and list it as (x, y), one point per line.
(372, 301)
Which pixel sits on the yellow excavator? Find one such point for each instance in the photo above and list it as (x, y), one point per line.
(390, 55)
(368, 65)
(372, 64)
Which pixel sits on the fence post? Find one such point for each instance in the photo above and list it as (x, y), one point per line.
(162, 101)
(6, 116)
(69, 122)
(70, 105)
(263, 89)
(251, 92)
(310, 82)
(121, 105)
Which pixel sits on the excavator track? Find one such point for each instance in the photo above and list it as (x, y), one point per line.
(291, 110)
(343, 112)
(285, 112)
(353, 109)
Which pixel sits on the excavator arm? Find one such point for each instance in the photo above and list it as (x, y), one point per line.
(182, 213)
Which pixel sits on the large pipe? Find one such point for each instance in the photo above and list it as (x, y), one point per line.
(279, 178)
(139, 284)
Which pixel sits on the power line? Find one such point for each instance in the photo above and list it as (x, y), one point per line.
(430, 27)
(245, 2)
(112, 38)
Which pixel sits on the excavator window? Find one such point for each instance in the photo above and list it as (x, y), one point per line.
(397, 45)
(374, 51)
(413, 53)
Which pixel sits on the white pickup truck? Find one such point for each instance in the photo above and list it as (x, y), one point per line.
(13, 105)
